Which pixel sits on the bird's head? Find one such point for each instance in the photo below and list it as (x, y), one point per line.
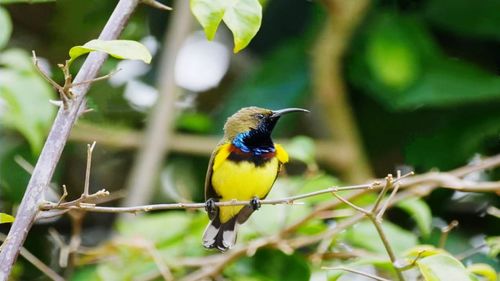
(256, 120)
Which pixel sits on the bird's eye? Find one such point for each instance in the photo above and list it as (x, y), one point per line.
(259, 116)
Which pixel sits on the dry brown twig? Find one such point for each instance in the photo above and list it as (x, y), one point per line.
(65, 91)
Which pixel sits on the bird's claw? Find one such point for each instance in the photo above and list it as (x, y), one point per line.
(255, 203)
(210, 207)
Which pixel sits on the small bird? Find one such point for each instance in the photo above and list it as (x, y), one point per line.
(243, 167)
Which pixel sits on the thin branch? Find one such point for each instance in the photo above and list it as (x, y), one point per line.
(352, 205)
(76, 204)
(397, 184)
(90, 149)
(343, 268)
(388, 185)
(157, 5)
(444, 233)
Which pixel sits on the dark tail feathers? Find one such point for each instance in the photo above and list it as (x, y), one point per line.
(220, 235)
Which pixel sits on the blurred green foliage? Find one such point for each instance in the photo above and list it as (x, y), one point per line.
(423, 84)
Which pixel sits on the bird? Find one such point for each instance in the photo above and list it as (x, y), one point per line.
(243, 167)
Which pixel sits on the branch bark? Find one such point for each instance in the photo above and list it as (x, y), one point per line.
(56, 141)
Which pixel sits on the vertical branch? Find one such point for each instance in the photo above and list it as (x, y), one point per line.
(329, 85)
(56, 141)
(158, 134)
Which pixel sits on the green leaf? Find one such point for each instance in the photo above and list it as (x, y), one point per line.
(26, 96)
(242, 17)
(494, 245)
(420, 212)
(442, 267)
(4, 218)
(364, 235)
(6, 27)
(209, 14)
(120, 49)
(484, 270)
(423, 251)
(390, 55)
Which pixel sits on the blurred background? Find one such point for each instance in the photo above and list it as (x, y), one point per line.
(391, 84)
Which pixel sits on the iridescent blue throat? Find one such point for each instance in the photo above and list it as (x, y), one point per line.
(244, 141)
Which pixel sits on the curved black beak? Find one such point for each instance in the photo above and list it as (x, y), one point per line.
(278, 113)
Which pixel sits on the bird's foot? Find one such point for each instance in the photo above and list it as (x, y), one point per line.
(255, 203)
(210, 207)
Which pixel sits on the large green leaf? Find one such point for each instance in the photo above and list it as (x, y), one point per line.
(6, 27)
(270, 265)
(459, 16)
(396, 60)
(420, 212)
(484, 270)
(209, 14)
(120, 49)
(26, 96)
(364, 235)
(242, 17)
(442, 267)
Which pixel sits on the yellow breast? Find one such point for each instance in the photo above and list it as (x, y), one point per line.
(242, 181)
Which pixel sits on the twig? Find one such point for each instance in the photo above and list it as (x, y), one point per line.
(76, 204)
(413, 261)
(36, 262)
(56, 140)
(397, 184)
(157, 5)
(63, 196)
(374, 277)
(90, 149)
(444, 233)
(372, 215)
(350, 204)
(388, 185)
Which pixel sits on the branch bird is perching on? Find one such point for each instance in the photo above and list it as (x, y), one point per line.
(446, 180)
